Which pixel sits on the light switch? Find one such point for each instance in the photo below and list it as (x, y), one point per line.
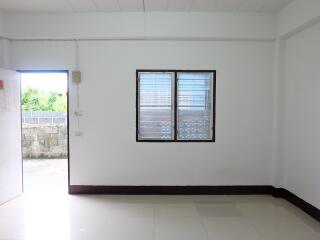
(79, 134)
(78, 114)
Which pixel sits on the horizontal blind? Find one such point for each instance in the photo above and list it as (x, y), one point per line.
(194, 106)
(155, 106)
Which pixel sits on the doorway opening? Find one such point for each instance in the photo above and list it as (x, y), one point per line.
(45, 131)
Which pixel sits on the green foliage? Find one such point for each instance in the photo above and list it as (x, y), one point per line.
(34, 100)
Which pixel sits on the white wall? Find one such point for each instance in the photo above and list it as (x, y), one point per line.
(278, 114)
(4, 53)
(302, 116)
(295, 158)
(2, 43)
(107, 154)
(1, 25)
(45, 55)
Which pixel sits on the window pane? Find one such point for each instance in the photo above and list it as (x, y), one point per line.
(155, 106)
(194, 106)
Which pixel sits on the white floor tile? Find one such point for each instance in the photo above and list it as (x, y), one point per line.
(89, 217)
(230, 228)
(284, 228)
(130, 229)
(12, 219)
(132, 210)
(179, 228)
(217, 209)
(262, 209)
(176, 210)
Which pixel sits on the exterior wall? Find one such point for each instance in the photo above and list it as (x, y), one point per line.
(44, 141)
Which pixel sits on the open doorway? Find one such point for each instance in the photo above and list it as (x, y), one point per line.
(45, 140)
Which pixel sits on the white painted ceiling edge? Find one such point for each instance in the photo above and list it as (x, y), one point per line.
(236, 26)
(158, 26)
(56, 6)
(297, 16)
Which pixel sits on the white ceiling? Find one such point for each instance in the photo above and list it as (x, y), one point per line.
(268, 6)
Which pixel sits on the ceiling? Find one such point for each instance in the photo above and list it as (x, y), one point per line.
(267, 6)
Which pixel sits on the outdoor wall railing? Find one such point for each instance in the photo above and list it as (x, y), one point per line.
(38, 117)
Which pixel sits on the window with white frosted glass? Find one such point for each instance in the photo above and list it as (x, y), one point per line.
(194, 106)
(155, 106)
(175, 106)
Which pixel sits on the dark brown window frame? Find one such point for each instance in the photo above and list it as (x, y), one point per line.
(176, 103)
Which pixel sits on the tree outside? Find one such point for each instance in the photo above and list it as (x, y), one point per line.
(37, 100)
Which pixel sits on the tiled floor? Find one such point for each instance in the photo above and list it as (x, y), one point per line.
(45, 213)
(54, 215)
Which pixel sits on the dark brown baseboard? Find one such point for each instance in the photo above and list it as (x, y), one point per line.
(199, 190)
(298, 202)
(171, 190)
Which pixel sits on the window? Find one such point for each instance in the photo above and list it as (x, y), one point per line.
(175, 106)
